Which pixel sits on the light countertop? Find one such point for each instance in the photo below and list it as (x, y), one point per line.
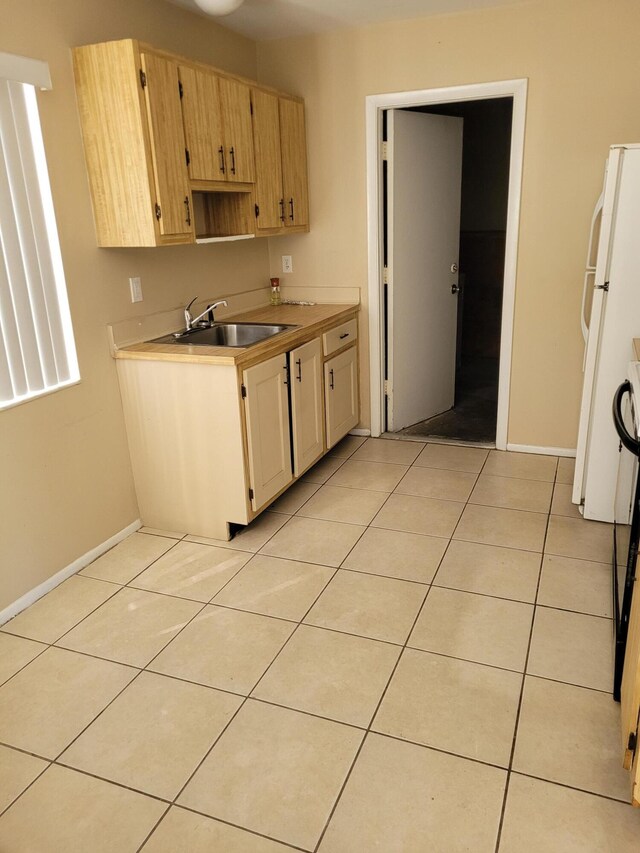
(310, 320)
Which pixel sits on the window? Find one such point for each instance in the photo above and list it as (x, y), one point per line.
(37, 349)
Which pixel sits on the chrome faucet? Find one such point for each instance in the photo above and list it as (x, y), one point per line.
(190, 321)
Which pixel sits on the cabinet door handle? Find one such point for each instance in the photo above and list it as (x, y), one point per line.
(286, 374)
(281, 210)
(344, 335)
(331, 385)
(188, 211)
(299, 363)
(233, 160)
(291, 209)
(221, 153)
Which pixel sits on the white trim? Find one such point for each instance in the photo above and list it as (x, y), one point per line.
(365, 432)
(22, 69)
(375, 104)
(55, 580)
(546, 451)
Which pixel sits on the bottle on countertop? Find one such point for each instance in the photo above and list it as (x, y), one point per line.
(275, 292)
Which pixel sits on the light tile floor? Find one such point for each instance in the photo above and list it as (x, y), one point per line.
(411, 651)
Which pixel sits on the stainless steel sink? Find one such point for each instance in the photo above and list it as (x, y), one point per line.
(225, 335)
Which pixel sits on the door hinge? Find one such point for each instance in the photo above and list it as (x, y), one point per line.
(386, 387)
(385, 275)
(604, 286)
(143, 78)
(243, 391)
(257, 210)
(250, 494)
(158, 212)
(385, 151)
(180, 89)
(187, 156)
(632, 742)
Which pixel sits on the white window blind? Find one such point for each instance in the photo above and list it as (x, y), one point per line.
(37, 349)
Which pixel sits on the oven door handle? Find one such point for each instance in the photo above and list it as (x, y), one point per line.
(632, 444)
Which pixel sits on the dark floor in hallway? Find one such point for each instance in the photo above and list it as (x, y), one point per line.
(474, 415)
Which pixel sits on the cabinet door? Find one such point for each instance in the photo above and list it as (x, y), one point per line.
(294, 162)
(341, 395)
(162, 98)
(266, 141)
(267, 420)
(235, 99)
(305, 364)
(201, 113)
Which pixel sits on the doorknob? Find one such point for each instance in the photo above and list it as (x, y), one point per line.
(455, 288)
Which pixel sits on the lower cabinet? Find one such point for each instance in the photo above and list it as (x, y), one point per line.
(307, 420)
(213, 444)
(268, 435)
(341, 395)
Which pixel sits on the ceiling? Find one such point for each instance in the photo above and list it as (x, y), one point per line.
(271, 19)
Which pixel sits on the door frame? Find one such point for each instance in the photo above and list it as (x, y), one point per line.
(375, 105)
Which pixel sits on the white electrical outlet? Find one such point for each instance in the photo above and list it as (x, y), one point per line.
(287, 263)
(135, 286)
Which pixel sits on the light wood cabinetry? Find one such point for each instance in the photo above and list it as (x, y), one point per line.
(341, 395)
(169, 145)
(134, 147)
(215, 443)
(267, 423)
(162, 99)
(217, 124)
(293, 143)
(281, 192)
(305, 368)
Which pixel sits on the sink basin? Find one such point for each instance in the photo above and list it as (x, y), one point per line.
(226, 335)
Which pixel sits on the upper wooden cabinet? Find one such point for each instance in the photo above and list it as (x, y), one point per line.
(169, 145)
(281, 163)
(173, 207)
(134, 145)
(217, 125)
(293, 142)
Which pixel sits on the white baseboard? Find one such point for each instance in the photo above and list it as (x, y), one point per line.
(365, 432)
(546, 451)
(42, 589)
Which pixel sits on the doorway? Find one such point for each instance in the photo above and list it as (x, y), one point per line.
(474, 197)
(476, 335)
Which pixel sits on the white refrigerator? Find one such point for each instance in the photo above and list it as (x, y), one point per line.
(610, 320)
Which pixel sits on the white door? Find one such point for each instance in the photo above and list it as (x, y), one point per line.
(268, 436)
(424, 178)
(305, 368)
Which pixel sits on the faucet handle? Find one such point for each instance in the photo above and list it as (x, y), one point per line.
(188, 317)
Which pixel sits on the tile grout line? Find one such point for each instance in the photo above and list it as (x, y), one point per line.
(376, 709)
(240, 706)
(522, 687)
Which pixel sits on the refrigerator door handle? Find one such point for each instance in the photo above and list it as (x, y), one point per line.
(591, 267)
(583, 320)
(627, 440)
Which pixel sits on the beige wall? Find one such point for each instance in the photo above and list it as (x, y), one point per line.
(583, 65)
(66, 483)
